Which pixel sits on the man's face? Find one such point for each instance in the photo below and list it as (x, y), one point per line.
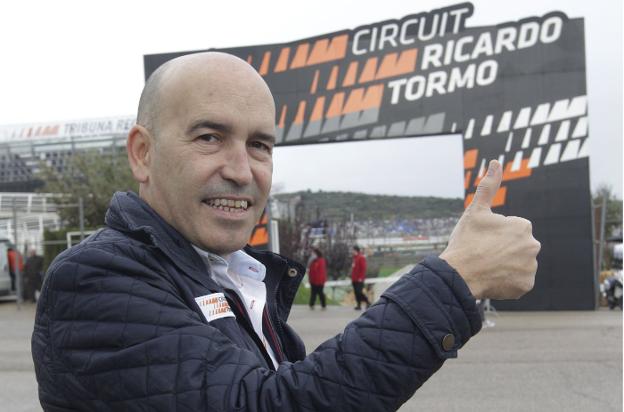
(211, 164)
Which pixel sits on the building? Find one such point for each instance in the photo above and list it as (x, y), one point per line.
(25, 148)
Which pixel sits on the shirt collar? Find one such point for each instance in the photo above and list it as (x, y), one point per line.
(238, 262)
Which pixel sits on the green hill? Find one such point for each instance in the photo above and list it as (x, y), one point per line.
(340, 205)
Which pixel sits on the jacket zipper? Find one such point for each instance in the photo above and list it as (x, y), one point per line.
(246, 323)
(279, 353)
(279, 328)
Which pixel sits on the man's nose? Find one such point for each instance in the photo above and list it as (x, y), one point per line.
(237, 168)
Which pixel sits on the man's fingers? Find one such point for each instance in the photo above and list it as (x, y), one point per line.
(488, 186)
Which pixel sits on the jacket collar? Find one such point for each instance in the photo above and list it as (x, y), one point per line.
(130, 214)
(282, 279)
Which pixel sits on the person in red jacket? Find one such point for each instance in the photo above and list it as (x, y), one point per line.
(317, 274)
(15, 262)
(358, 274)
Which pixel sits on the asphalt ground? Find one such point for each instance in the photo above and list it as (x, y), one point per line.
(529, 361)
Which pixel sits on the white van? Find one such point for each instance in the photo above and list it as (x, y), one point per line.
(5, 278)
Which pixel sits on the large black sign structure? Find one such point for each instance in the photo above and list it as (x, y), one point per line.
(516, 91)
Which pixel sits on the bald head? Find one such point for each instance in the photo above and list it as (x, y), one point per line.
(204, 140)
(169, 80)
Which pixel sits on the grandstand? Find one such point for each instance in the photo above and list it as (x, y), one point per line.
(25, 148)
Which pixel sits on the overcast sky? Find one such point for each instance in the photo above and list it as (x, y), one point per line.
(428, 166)
(65, 60)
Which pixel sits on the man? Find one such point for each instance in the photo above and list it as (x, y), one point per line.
(358, 274)
(16, 262)
(32, 275)
(317, 275)
(166, 309)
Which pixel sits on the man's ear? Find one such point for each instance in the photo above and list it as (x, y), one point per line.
(138, 148)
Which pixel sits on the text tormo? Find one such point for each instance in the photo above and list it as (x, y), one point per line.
(469, 48)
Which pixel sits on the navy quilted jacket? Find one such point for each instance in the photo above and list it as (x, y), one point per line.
(118, 329)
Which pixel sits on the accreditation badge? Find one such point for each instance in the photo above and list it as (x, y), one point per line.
(214, 306)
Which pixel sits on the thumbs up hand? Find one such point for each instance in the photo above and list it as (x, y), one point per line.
(494, 254)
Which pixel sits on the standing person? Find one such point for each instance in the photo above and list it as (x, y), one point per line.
(33, 275)
(317, 274)
(167, 309)
(15, 262)
(358, 274)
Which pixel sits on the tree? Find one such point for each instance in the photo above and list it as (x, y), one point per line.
(339, 259)
(92, 176)
(290, 239)
(613, 218)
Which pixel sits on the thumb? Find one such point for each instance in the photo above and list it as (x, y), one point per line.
(488, 186)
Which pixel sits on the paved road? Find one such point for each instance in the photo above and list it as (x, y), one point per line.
(538, 361)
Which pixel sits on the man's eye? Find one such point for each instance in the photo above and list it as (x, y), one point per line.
(262, 146)
(208, 137)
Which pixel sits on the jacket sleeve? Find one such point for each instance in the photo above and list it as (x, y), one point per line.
(111, 337)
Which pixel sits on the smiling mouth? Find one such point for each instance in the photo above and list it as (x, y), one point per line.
(228, 205)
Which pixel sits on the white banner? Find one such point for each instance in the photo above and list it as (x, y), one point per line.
(108, 126)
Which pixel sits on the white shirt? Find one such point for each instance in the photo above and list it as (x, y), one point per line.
(243, 274)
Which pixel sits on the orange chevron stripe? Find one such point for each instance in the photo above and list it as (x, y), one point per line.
(260, 234)
(259, 237)
(499, 198)
(333, 78)
(314, 82)
(323, 51)
(359, 101)
(300, 116)
(467, 177)
(393, 65)
(282, 121)
(264, 67)
(301, 56)
(351, 75)
(470, 158)
(282, 60)
(335, 106)
(370, 69)
(317, 111)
